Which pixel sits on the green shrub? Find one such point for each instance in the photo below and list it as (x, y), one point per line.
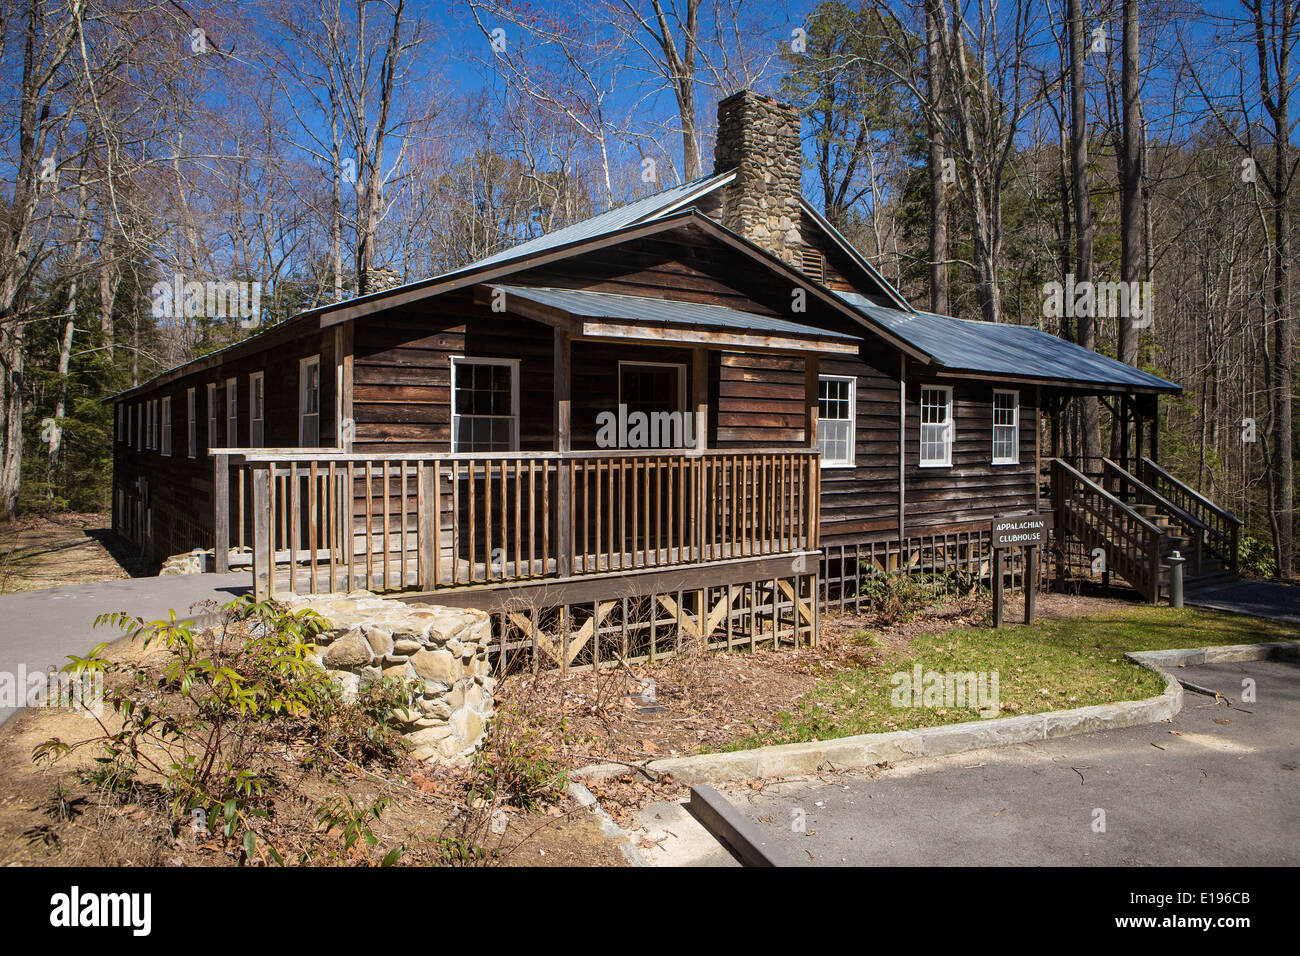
(897, 598)
(1256, 557)
(224, 700)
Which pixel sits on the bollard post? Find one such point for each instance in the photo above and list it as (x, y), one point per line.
(1176, 562)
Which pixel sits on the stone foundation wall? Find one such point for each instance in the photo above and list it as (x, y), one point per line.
(444, 649)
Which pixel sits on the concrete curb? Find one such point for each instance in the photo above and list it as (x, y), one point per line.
(866, 750)
(730, 826)
(611, 830)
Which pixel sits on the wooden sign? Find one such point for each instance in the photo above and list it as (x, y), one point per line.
(1022, 531)
(1028, 531)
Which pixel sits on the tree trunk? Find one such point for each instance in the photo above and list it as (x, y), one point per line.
(939, 298)
(1087, 330)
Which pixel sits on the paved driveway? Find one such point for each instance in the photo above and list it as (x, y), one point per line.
(1271, 599)
(1217, 786)
(39, 629)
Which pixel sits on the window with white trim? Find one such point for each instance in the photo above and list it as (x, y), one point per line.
(836, 418)
(120, 419)
(485, 404)
(936, 426)
(166, 443)
(148, 425)
(139, 427)
(232, 413)
(192, 422)
(257, 409)
(1006, 427)
(153, 424)
(213, 441)
(309, 402)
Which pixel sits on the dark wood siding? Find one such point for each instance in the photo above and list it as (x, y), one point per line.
(862, 502)
(973, 488)
(176, 490)
(757, 400)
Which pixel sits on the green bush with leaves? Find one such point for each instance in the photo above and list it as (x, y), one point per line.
(898, 598)
(209, 721)
(1256, 557)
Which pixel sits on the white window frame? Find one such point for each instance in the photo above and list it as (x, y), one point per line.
(232, 413)
(1014, 426)
(139, 426)
(256, 422)
(303, 365)
(165, 439)
(513, 365)
(950, 438)
(214, 439)
(851, 460)
(120, 417)
(148, 425)
(192, 421)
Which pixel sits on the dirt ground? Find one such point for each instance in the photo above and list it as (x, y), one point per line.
(44, 552)
(705, 701)
(51, 815)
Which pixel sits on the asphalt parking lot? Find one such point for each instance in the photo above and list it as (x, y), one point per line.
(1217, 786)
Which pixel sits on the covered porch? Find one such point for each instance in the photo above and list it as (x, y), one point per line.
(656, 463)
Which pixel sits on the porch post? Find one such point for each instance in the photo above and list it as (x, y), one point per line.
(561, 382)
(1155, 430)
(812, 366)
(221, 513)
(700, 395)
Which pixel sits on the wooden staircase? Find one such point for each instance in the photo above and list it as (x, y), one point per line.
(1137, 523)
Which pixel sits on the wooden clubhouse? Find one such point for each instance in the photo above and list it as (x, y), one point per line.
(700, 415)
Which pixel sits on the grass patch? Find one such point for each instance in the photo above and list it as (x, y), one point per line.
(1053, 665)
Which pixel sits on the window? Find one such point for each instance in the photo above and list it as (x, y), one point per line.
(256, 409)
(153, 424)
(126, 416)
(212, 415)
(166, 443)
(936, 426)
(232, 412)
(148, 425)
(1006, 428)
(192, 426)
(139, 427)
(485, 404)
(120, 427)
(835, 420)
(309, 402)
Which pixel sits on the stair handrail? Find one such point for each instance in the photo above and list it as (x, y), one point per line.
(1145, 576)
(1228, 538)
(1196, 528)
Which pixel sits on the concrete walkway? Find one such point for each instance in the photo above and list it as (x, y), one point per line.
(1216, 786)
(1270, 599)
(39, 629)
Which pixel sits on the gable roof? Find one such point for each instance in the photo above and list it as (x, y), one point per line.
(1008, 351)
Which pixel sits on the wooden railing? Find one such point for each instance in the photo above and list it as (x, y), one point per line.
(1139, 492)
(1129, 541)
(333, 520)
(1223, 530)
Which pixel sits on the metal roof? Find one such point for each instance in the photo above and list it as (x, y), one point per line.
(1017, 351)
(635, 308)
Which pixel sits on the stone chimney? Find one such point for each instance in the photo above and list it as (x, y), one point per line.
(759, 138)
(377, 280)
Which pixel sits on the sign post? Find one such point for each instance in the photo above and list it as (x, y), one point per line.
(1029, 531)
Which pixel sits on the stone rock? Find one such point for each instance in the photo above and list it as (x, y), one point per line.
(406, 647)
(350, 683)
(349, 652)
(380, 641)
(435, 666)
